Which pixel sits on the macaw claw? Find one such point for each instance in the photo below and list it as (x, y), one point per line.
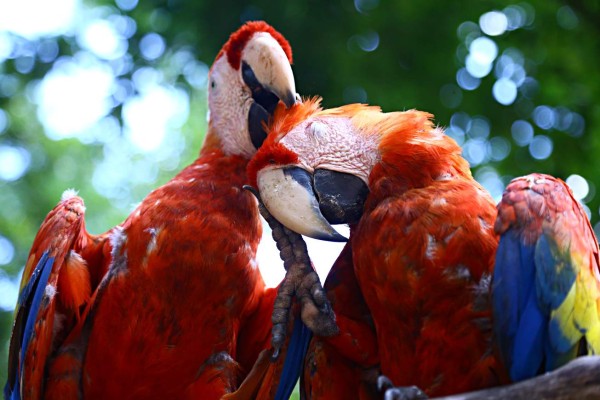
(300, 281)
(391, 392)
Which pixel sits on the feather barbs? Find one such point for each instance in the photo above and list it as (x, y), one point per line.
(74, 286)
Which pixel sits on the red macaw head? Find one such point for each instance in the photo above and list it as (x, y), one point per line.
(249, 77)
(318, 167)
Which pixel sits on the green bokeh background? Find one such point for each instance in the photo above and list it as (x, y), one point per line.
(397, 54)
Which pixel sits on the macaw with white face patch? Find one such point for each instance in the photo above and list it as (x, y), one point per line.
(170, 303)
(421, 242)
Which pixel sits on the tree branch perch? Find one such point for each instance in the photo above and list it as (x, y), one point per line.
(579, 379)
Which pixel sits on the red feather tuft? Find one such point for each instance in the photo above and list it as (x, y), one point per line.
(284, 120)
(74, 282)
(276, 154)
(237, 41)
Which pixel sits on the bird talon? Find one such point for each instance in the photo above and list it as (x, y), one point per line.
(275, 354)
(391, 392)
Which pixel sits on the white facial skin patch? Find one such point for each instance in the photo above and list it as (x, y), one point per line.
(333, 143)
(228, 94)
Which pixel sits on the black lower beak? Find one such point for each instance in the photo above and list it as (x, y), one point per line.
(309, 203)
(341, 196)
(258, 118)
(264, 105)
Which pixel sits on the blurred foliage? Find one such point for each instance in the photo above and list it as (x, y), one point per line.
(396, 54)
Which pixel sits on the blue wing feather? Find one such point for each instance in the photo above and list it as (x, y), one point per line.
(528, 350)
(530, 282)
(29, 303)
(555, 273)
(294, 359)
(513, 297)
(556, 276)
(545, 293)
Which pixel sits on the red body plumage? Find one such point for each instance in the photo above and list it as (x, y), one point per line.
(187, 284)
(171, 303)
(423, 249)
(345, 365)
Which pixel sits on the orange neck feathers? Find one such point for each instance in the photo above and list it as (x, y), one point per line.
(418, 152)
(413, 152)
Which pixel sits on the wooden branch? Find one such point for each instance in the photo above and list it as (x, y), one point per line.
(579, 379)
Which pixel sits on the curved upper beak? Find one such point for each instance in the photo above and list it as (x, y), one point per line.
(267, 72)
(308, 204)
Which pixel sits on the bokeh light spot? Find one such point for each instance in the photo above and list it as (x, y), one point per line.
(369, 41)
(522, 132)
(149, 116)
(476, 68)
(6, 46)
(504, 91)
(14, 162)
(47, 50)
(466, 81)
(457, 134)
(9, 291)
(476, 151)
(466, 28)
(152, 46)
(566, 17)
(484, 50)
(479, 128)
(579, 186)
(25, 64)
(9, 85)
(488, 177)
(461, 120)
(364, 6)
(493, 23)
(451, 95)
(482, 53)
(354, 94)
(3, 121)
(32, 19)
(7, 251)
(126, 5)
(126, 26)
(516, 17)
(73, 96)
(499, 148)
(541, 147)
(102, 38)
(576, 126)
(544, 117)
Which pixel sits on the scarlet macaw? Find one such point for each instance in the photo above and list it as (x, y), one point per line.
(423, 248)
(341, 367)
(177, 307)
(546, 285)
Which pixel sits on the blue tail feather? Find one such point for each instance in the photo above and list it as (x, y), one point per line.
(528, 351)
(294, 359)
(517, 317)
(30, 300)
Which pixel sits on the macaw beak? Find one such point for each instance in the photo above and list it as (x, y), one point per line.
(267, 72)
(309, 203)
